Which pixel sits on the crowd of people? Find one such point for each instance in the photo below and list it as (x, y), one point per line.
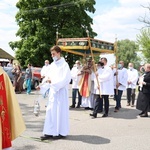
(95, 87)
(16, 76)
(93, 83)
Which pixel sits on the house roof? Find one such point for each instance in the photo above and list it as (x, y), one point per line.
(4, 54)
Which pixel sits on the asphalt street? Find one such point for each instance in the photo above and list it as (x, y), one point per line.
(124, 130)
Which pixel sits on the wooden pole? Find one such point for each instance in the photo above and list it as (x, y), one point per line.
(94, 67)
(116, 63)
(57, 36)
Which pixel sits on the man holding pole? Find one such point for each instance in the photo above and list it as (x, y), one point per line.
(105, 78)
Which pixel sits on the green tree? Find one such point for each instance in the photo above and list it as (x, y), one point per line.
(143, 38)
(144, 41)
(127, 52)
(39, 21)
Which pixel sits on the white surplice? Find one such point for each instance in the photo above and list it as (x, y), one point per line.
(122, 79)
(57, 112)
(105, 78)
(44, 70)
(133, 78)
(75, 77)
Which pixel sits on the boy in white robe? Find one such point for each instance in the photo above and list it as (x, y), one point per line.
(57, 113)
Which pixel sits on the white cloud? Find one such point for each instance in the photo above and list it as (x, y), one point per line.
(121, 20)
(8, 26)
(9, 2)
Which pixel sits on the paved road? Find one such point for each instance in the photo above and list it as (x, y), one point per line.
(124, 130)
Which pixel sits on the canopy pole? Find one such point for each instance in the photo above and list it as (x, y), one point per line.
(57, 36)
(94, 66)
(116, 63)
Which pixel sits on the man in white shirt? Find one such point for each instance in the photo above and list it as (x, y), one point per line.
(131, 86)
(75, 75)
(120, 83)
(105, 79)
(44, 69)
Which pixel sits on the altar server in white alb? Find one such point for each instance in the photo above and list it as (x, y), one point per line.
(131, 85)
(57, 113)
(120, 83)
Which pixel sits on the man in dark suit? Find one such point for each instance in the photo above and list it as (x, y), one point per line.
(143, 100)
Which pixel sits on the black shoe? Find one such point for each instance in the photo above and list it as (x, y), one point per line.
(87, 108)
(141, 113)
(46, 137)
(72, 106)
(93, 116)
(105, 115)
(59, 137)
(144, 115)
(62, 137)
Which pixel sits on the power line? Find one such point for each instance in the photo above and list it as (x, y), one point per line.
(49, 7)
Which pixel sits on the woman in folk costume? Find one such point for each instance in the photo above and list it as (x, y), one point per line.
(11, 120)
(57, 112)
(143, 100)
(85, 85)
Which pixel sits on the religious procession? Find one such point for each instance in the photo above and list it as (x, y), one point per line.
(93, 83)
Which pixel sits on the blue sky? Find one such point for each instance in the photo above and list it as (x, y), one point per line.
(113, 18)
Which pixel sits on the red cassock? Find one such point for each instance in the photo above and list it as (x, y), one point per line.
(4, 116)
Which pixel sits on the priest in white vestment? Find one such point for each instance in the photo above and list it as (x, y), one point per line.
(57, 113)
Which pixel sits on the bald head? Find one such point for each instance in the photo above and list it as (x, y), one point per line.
(147, 67)
(78, 62)
(130, 65)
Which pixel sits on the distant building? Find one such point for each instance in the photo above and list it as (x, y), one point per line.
(5, 55)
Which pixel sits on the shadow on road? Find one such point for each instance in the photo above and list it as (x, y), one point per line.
(26, 147)
(124, 113)
(91, 139)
